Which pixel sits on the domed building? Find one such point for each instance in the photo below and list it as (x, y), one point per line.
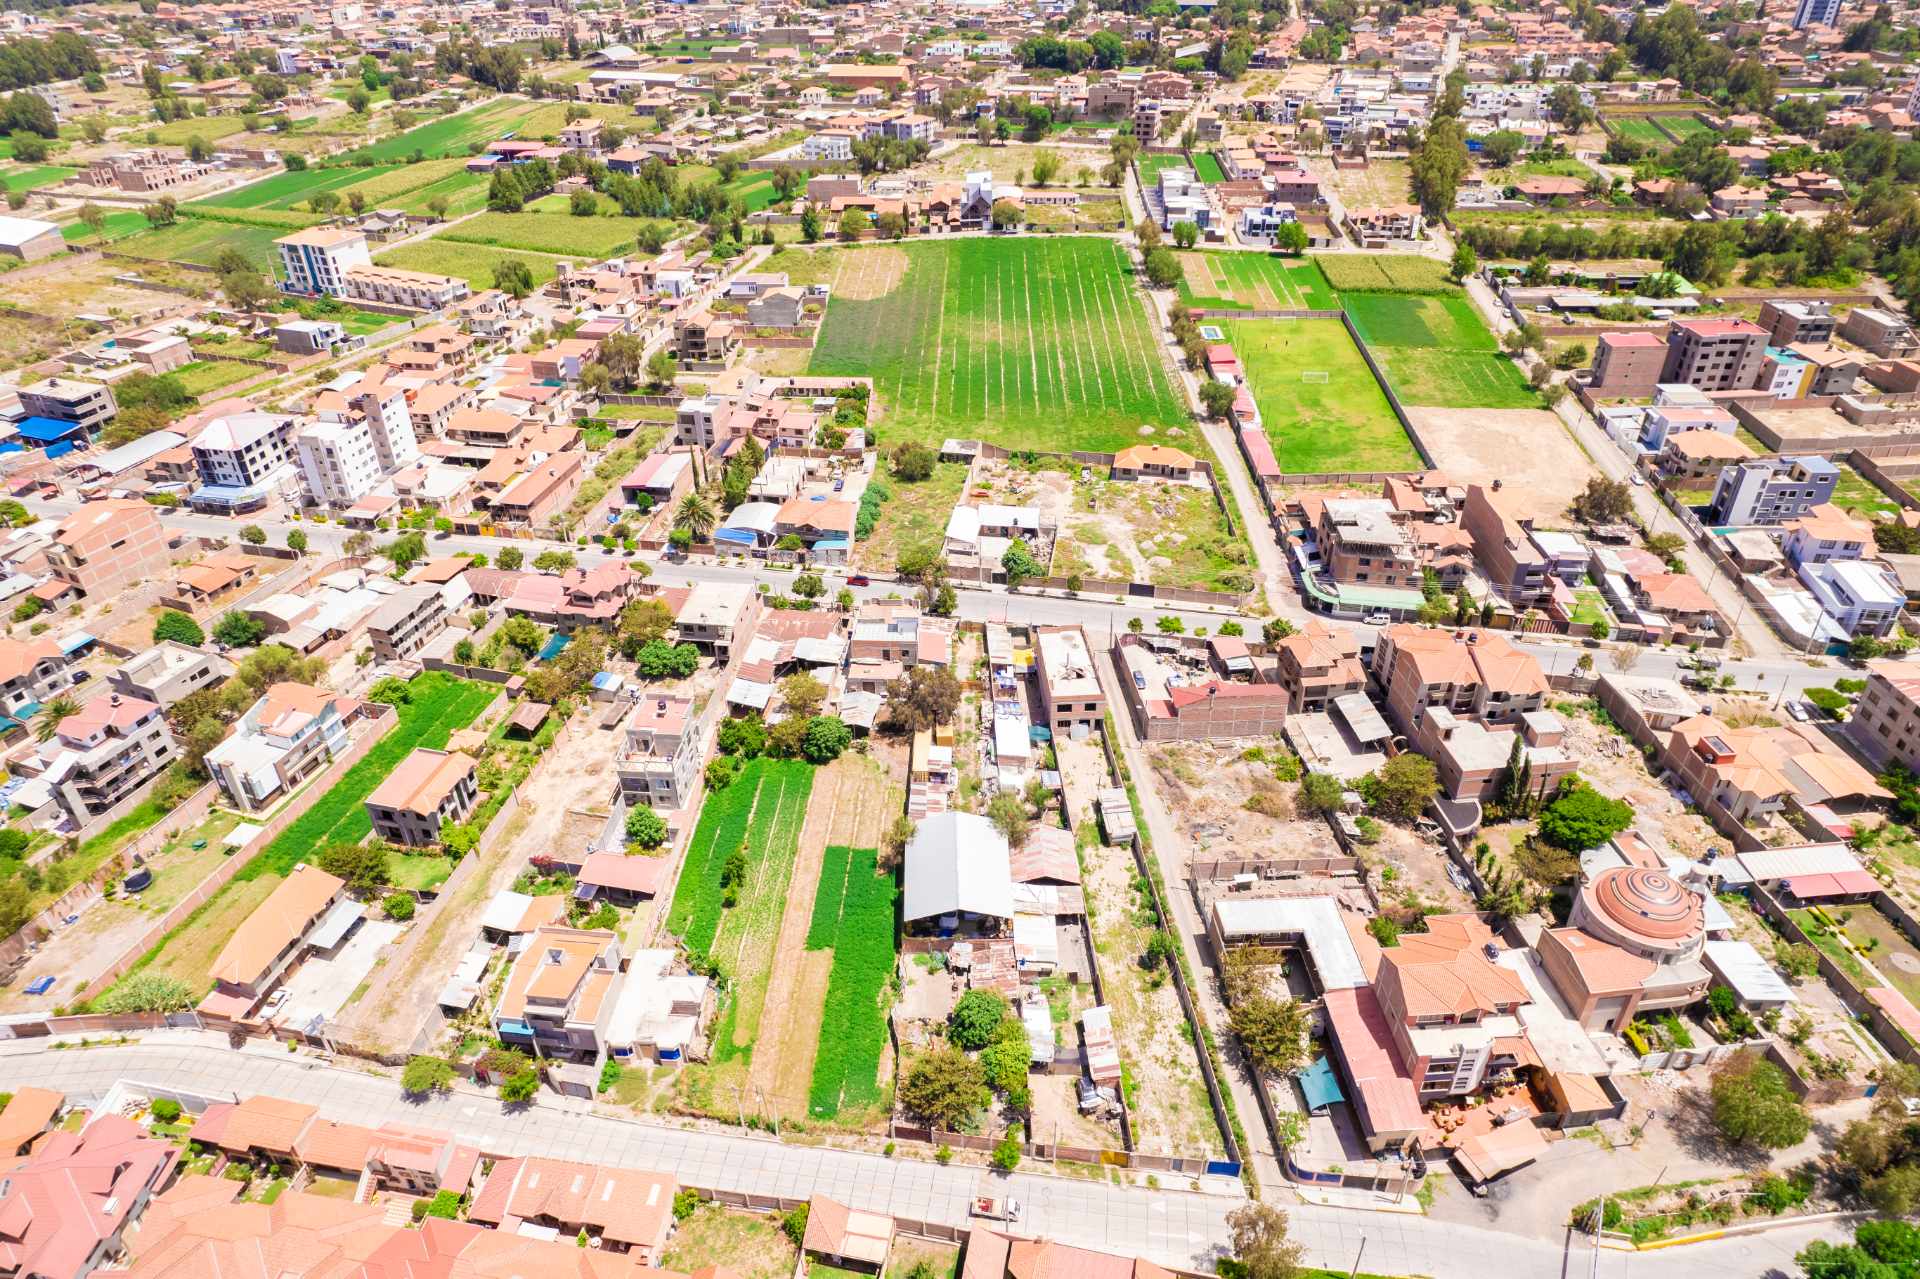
(1634, 941)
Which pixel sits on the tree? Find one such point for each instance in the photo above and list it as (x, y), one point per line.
(1217, 399)
(945, 1088)
(1603, 501)
(1185, 234)
(178, 627)
(853, 224)
(1273, 1031)
(923, 697)
(1580, 817)
(1437, 165)
(1019, 564)
(1046, 167)
(553, 561)
(810, 225)
(658, 659)
(913, 462)
(1009, 816)
(147, 992)
(645, 828)
(974, 1018)
(696, 516)
(363, 866)
(405, 551)
(1161, 267)
(1257, 1235)
(510, 558)
(513, 277)
(1753, 1106)
(1005, 215)
(520, 1087)
(297, 541)
(239, 630)
(826, 739)
(1320, 793)
(1404, 785)
(1464, 262)
(161, 212)
(802, 694)
(1797, 960)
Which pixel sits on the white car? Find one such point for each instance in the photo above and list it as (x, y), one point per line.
(1798, 710)
(1376, 619)
(276, 1001)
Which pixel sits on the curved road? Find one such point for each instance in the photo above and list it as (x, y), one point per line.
(1168, 1226)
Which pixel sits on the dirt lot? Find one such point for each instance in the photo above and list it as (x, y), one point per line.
(1141, 532)
(1009, 160)
(852, 801)
(1615, 767)
(1161, 1074)
(401, 1013)
(1381, 182)
(1529, 449)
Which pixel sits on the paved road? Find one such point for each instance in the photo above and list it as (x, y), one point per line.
(1168, 1226)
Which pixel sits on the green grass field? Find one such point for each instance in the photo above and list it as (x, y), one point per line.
(473, 263)
(464, 192)
(1385, 273)
(450, 135)
(177, 133)
(1150, 166)
(1639, 129)
(1438, 353)
(560, 233)
(852, 917)
(754, 190)
(121, 223)
(284, 190)
(34, 177)
(1207, 168)
(1341, 424)
(1253, 282)
(201, 241)
(203, 377)
(1028, 343)
(1681, 127)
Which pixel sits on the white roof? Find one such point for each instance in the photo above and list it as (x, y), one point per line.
(505, 911)
(958, 862)
(1034, 940)
(758, 516)
(15, 232)
(236, 431)
(1750, 975)
(1317, 919)
(1811, 859)
(127, 456)
(964, 524)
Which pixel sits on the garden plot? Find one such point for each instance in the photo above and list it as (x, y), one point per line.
(836, 937)
(1027, 343)
(727, 910)
(1544, 469)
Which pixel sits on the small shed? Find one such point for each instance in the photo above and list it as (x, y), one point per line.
(527, 718)
(846, 1237)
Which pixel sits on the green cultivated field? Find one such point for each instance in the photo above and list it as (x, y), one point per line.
(284, 190)
(760, 813)
(1385, 273)
(1342, 424)
(473, 263)
(852, 917)
(201, 241)
(1438, 353)
(451, 134)
(464, 192)
(1253, 282)
(35, 177)
(121, 223)
(177, 133)
(560, 233)
(1027, 343)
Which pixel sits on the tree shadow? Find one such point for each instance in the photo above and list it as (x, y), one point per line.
(1691, 1123)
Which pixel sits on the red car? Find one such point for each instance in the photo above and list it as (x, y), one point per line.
(859, 579)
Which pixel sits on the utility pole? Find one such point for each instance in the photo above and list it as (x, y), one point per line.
(1356, 1256)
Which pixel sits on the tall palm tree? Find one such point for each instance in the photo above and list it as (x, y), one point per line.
(51, 714)
(695, 514)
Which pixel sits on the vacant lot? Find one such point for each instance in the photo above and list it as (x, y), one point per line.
(1253, 282)
(1166, 534)
(747, 1244)
(473, 263)
(559, 233)
(914, 518)
(1320, 404)
(1027, 343)
(1437, 351)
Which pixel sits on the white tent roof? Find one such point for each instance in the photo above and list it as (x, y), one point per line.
(958, 862)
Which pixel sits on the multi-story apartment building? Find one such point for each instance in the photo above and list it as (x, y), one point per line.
(1070, 692)
(427, 789)
(1627, 365)
(243, 457)
(88, 405)
(337, 462)
(410, 617)
(1886, 719)
(389, 421)
(1862, 597)
(661, 758)
(167, 672)
(104, 752)
(107, 546)
(1361, 541)
(431, 408)
(1880, 331)
(560, 994)
(290, 734)
(32, 672)
(1504, 547)
(1788, 322)
(317, 260)
(1454, 1013)
(1714, 354)
(704, 338)
(1318, 663)
(421, 290)
(1771, 490)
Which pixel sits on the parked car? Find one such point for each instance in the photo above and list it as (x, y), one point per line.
(859, 579)
(1377, 619)
(275, 1001)
(1140, 680)
(1798, 710)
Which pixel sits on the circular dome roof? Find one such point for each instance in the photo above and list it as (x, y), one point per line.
(1649, 902)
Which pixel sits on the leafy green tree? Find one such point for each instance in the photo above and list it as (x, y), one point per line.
(1404, 785)
(944, 1088)
(297, 541)
(239, 630)
(1753, 1106)
(178, 627)
(1580, 817)
(362, 866)
(1320, 793)
(147, 992)
(1257, 1235)
(1273, 1031)
(826, 738)
(1019, 564)
(974, 1018)
(399, 906)
(645, 828)
(661, 660)
(520, 1087)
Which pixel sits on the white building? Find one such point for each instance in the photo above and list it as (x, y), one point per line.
(1825, 13)
(317, 259)
(829, 145)
(337, 461)
(242, 458)
(1862, 597)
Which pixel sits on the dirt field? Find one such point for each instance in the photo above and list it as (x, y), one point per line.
(401, 1013)
(851, 803)
(1381, 182)
(1009, 160)
(1615, 767)
(1529, 449)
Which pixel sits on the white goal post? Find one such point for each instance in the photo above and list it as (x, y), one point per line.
(1313, 375)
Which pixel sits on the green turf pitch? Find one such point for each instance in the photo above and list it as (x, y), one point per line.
(1342, 424)
(1437, 352)
(1028, 343)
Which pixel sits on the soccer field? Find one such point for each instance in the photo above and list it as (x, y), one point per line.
(1207, 168)
(1438, 353)
(1339, 421)
(1028, 343)
(1253, 282)
(1639, 128)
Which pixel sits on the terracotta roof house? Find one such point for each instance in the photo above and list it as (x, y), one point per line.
(271, 938)
(626, 1210)
(63, 1209)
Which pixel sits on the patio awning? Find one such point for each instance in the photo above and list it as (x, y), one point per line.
(1321, 1086)
(338, 923)
(1485, 1157)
